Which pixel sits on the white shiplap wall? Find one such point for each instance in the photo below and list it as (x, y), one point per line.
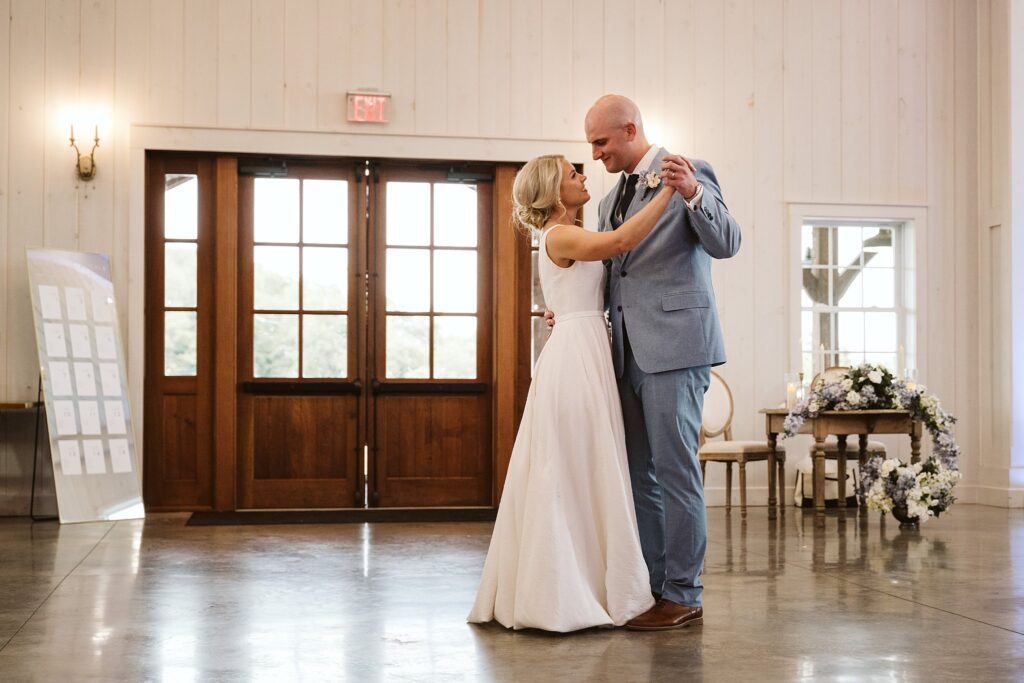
(806, 101)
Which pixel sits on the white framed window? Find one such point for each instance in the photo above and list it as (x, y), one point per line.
(855, 277)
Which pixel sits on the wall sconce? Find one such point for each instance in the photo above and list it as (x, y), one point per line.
(86, 166)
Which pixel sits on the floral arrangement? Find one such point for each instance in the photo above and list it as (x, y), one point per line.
(649, 180)
(923, 489)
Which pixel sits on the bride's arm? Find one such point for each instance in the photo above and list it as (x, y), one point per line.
(572, 243)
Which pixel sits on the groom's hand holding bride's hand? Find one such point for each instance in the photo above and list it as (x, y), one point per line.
(678, 173)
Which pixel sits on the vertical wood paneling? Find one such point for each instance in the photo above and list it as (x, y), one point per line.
(268, 63)
(527, 61)
(400, 65)
(25, 189)
(166, 68)
(234, 63)
(620, 55)
(707, 81)
(587, 85)
(826, 110)
(493, 75)
(884, 101)
(96, 201)
(333, 77)
(767, 236)
(912, 152)
(649, 69)
(797, 86)
(199, 87)
(463, 48)
(300, 64)
(5, 98)
(365, 31)
(431, 68)
(555, 77)
(60, 211)
(735, 169)
(680, 56)
(855, 94)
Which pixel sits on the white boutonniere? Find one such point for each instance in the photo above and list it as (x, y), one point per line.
(648, 181)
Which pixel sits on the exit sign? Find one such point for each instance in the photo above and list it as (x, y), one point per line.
(368, 107)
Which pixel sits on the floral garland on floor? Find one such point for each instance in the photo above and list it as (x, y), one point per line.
(922, 489)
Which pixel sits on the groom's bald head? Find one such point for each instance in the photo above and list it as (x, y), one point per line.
(615, 131)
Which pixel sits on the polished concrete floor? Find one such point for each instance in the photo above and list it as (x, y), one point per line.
(159, 601)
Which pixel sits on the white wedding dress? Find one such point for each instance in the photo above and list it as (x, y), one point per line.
(565, 552)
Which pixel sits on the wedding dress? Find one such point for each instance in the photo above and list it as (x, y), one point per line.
(565, 551)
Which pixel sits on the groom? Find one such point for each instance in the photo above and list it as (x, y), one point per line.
(665, 338)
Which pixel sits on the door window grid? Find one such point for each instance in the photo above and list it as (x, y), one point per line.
(180, 247)
(853, 301)
(431, 267)
(300, 278)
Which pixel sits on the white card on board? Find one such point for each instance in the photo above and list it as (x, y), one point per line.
(115, 417)
(94, 461)
(102, 308)
(75, 298)
(85, 378)
(81, 347)
(70, 458)
(89, 412)
(60, 378)
(56, 345)
(106, 347)
(110, 378)
(120, 459)
(64, 416)
(49, 302)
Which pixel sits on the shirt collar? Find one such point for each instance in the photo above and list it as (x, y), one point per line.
(646, 160)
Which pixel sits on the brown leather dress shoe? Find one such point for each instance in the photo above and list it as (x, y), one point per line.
(667, 615)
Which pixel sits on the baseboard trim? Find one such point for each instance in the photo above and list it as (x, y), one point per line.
(994, 496)
(354, 516)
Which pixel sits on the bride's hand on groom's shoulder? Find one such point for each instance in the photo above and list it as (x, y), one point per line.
(679, 174)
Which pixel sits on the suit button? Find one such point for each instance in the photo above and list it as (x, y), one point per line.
(618, 308)
(623, 273)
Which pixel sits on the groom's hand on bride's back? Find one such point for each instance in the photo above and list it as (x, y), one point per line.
(549, 318)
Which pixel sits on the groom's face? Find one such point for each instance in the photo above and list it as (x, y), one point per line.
(611, 142)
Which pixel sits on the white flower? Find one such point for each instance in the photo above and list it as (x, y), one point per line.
(875, 376)
(847, 384)
(813, 407)
(888, 466)
(650, 180)
(853, 398)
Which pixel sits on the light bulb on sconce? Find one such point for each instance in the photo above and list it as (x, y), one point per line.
(86, 165)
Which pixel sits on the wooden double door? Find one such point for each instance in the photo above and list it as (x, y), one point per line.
(319, 334)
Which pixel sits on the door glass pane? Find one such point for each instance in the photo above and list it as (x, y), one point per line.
(539, 335)
(408, 280)
(538, 294)
(180, 343)
(325, 278)
(181, 206)
(455, 214)
(325, 211)
(180, 274)
(455, 281)
(324, 346)
(276, 210)
(455, 347)
(408, 214)
(276, 278)
(408, 346)
(275, 345)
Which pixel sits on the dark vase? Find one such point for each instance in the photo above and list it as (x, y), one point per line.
(905, 520)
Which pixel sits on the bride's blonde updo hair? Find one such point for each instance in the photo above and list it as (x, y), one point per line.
(535, 192)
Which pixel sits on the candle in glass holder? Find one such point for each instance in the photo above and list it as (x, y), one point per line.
(790, 396)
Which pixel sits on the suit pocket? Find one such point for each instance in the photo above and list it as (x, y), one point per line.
(677, 301)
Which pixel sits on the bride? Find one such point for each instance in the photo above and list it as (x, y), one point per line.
(565, 552)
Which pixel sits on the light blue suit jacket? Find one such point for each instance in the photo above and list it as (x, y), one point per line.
(662, 289)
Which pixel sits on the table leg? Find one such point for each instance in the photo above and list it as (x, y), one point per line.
(819, 480)
(772, 441)
(841, 476)
(862, 459)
